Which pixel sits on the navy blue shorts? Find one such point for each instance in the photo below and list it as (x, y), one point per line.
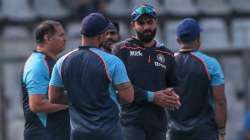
(35, 134)
(133, 132)
(193, 136)
(114, 134)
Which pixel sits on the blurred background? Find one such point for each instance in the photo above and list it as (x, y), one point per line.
(226, 36)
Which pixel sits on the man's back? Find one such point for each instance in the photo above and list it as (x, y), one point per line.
(87, 76)
(194, 71)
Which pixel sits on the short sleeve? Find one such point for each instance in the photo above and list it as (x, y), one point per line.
(119, 75)
(37, 79)
(56, 77)
(217, 76)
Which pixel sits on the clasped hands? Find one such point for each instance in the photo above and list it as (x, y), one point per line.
(167, 98)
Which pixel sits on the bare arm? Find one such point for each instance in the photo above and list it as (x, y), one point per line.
(57, 96)
(220, 106)
(38, 103)
(126, 92)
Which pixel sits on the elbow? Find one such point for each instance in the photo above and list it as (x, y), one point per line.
(53, 100)
(131, 97)
(130, 100)
(34, 108)
(126, 94)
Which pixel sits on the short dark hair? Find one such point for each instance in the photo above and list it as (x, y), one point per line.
(47, 27)
(116, 24)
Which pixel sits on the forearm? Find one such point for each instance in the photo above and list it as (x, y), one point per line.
(46, 107)
(57, 95)
(142, 96)
(63, 99)
(221, 114)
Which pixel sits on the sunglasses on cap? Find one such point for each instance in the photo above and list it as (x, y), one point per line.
(141, 10)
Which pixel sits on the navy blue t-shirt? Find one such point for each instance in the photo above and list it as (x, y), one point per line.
(89, 75)
(197, 74)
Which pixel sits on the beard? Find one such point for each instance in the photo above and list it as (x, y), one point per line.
(107, 44)
(146, 36)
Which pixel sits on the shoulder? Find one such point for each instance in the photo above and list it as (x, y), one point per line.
(61, 59)
(121, 44)
(160, 47)
(36, 61)
(130, 43)
(104, 55)
(211, 61)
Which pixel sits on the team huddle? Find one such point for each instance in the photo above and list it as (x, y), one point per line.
(136, 89)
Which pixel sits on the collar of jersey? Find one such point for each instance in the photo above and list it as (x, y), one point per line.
(138, 42)
(86, 47)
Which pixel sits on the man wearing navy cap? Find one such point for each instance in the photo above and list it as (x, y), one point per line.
(202, 115)
(151, 69)
(112, 36)
(90, 76)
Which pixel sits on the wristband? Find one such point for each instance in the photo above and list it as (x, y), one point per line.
(150, 96)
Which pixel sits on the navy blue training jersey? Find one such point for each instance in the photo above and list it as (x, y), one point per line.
(197, 74)
(35, 80)
(89, 75)
(150, 70)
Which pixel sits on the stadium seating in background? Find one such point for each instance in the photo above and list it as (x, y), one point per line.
(125, 30)
(16, 128)
(180, 7)
(73, 33)
(213, 7)
(118, 8)
(169, 34)
(73, 29)
(50, 9)
(236, 109)
(241, 32)
(1, 13)
(16, 42)
(214, 34)
(158, 35)
(18, 10)
(240, 6)
(14, 115)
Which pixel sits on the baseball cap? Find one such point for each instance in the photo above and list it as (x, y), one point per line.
(94, 24)
(141, 10)
(188, 29)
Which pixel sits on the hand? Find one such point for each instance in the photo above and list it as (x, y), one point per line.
(221, 137)
(167, 98)
(171, 92)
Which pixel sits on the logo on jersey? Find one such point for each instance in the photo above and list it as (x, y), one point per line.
(135, 53)
(157, 64)
(160, 58)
